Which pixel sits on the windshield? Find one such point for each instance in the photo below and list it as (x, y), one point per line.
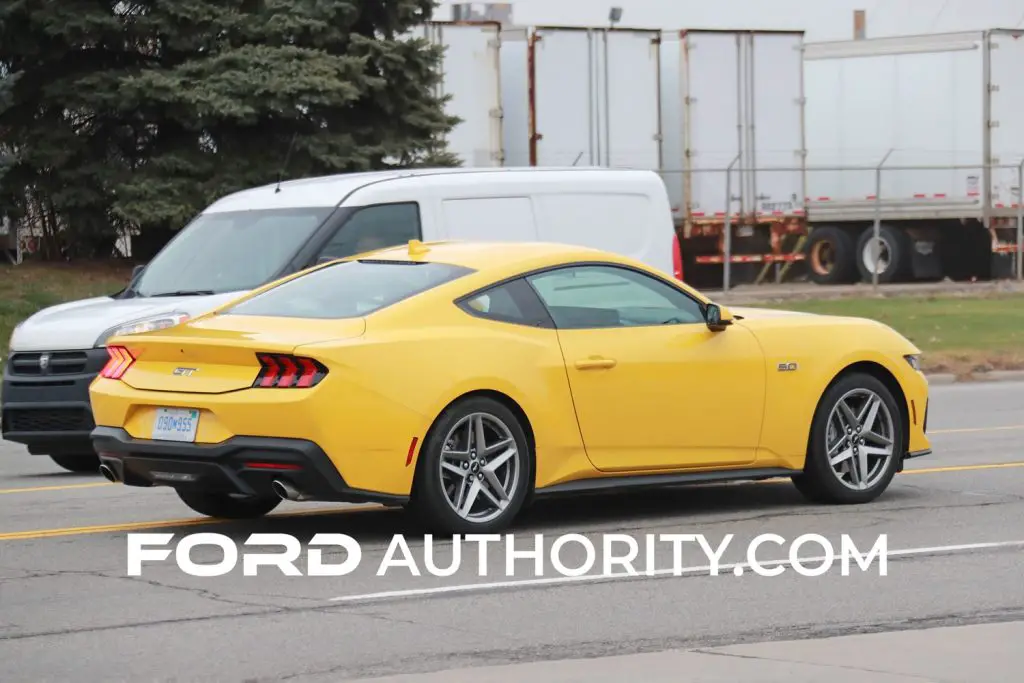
(230, 252)
(349, 289)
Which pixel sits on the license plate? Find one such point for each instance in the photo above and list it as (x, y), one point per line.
(175, 424)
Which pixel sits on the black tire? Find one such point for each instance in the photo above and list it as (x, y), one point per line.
(224, 506)
(831, 255)
(819, 483)
(80, 464)
(898, 245)
(430, 500)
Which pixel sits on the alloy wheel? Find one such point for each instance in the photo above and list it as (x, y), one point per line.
(479, 467)
(859, 439)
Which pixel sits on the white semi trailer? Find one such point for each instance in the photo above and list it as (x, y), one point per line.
(925, 135)
(708, 110)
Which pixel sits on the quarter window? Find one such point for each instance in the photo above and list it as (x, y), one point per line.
(374, 227)
(511, 302)
(610, 296)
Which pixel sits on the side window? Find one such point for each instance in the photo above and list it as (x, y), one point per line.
(608, 296)
(374, 227)
(511, 302)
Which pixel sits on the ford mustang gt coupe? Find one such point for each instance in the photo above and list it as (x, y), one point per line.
(464, 380)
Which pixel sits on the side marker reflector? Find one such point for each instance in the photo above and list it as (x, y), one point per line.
(412, 449)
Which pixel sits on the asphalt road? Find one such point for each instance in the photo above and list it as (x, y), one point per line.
(950, 607)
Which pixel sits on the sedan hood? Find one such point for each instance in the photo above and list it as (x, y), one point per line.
(78, 324)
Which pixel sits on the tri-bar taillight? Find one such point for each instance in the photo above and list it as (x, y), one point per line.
(120, 360)
(279, 370)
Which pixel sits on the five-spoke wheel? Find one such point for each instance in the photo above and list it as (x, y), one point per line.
(856, 441)
(475, 469)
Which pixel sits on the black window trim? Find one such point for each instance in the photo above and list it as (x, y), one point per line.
(463, 301)
(347, 213)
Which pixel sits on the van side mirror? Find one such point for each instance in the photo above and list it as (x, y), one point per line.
(717, 317)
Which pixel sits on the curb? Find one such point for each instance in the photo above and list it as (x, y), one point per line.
(993, 376)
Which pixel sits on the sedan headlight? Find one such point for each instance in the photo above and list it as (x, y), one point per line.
(914, 360)
(155, 322)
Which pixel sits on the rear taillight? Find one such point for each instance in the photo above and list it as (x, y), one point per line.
(120, 360)
(278, 370)
(677, 257)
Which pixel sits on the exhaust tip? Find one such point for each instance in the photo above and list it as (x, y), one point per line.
(108, 473)
(283, 490)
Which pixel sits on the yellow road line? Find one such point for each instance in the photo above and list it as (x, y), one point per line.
(963, 468)
(61, 487)
(162, 524)
(975, 430)
(199, 521)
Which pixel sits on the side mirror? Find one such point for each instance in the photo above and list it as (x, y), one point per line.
(717, 317)
(137, 271)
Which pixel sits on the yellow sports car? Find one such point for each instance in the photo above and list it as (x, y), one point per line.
(464, 380)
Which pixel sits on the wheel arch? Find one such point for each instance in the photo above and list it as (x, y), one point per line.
(505, 400)
(883, 375)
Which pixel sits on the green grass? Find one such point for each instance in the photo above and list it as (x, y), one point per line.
(30, 287)
(957, 334)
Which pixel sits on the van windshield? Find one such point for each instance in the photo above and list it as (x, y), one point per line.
(229, 252)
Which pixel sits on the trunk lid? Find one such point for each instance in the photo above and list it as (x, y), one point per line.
(218, 355)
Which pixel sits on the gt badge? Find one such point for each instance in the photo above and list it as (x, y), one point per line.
(787, 367)
(183, 372)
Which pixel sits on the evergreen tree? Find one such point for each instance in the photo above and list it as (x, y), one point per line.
(147, 110)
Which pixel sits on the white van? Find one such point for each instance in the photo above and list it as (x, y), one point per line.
(255, 236)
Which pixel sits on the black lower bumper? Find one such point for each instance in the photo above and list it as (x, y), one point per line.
(241, 465)
(47, 408)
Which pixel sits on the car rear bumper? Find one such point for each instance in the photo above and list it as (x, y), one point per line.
(242, 465)
(47, 408)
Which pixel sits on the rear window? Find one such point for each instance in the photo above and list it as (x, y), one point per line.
(349, 289)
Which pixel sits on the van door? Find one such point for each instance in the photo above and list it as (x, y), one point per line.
(489, 219)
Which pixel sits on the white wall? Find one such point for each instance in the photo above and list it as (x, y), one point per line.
(821, 19)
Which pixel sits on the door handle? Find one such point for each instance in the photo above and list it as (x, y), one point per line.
(596, 364)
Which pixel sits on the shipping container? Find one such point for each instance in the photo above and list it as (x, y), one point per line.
(733, 150)
(472, 76)
(581, 97)
(924, 133)
(733, 99)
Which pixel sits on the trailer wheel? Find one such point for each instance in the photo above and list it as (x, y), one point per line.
(830, 256)
(893, 259)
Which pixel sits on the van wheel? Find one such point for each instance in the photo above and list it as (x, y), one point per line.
(894, 257)
(830, 256)
(226, 506)
(80, 464)
(855, 445)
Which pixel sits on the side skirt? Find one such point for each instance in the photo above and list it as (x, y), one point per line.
(657, 480)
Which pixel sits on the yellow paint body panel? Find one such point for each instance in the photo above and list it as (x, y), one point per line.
(680, 397)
